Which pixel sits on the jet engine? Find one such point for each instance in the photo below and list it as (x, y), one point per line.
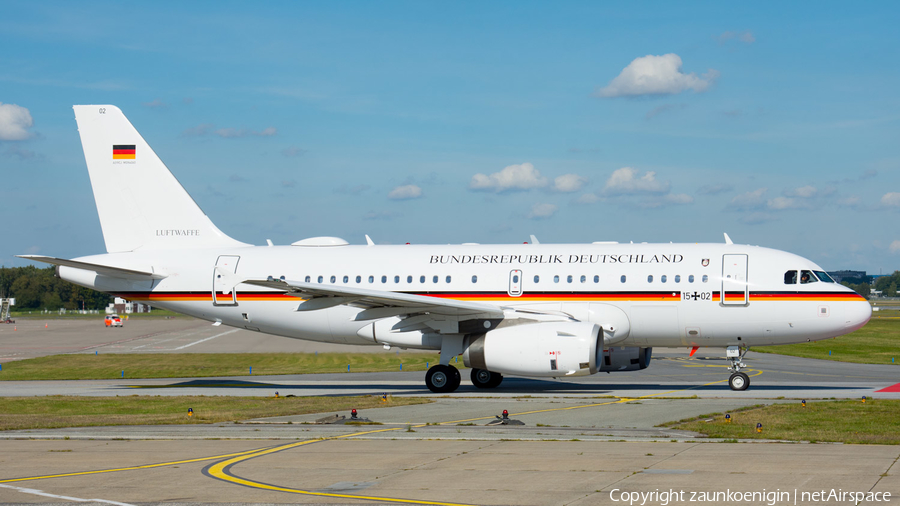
(548, 349)
(623, 358)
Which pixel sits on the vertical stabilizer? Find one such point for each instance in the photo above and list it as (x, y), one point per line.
(140, 203)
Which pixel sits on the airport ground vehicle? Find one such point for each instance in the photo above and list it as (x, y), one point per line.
(112, 320)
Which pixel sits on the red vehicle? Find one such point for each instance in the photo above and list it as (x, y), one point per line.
(113, 320)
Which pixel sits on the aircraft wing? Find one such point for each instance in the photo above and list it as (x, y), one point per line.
(106, 270)
(379, 304)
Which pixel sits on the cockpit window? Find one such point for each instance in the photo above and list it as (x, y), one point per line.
(823, 276)
(807, 277)
(790, 278)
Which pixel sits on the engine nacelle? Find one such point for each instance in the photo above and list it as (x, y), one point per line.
(624, 358)
(548, 349)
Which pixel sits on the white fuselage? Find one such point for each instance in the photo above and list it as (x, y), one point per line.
(653, 295)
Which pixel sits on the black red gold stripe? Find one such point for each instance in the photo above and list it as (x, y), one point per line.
(124, 151)
(243, 296)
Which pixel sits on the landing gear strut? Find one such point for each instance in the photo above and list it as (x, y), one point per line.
(442, 379)
(486, 379)
(738, 380)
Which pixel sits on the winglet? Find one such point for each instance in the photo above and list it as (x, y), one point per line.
(369, 241)
(534, 240)
(728, 239)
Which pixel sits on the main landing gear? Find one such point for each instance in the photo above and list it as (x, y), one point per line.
(442, 379)
(486, 379)
(738, 380)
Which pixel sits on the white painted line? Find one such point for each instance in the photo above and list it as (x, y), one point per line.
(64, 497)
(180, 336)
(202, 340)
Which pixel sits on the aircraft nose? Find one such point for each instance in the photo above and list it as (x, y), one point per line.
(856, 315)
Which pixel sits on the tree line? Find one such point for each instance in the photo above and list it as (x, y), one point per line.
(888, 285)
(35, 288)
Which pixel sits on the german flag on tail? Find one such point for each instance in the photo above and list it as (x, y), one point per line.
(123, 151)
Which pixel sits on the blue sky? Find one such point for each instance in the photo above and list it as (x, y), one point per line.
(430, 122)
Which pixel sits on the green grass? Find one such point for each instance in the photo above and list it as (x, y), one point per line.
(876, 343)
(70, 411)
(847, 421)
(198, 365)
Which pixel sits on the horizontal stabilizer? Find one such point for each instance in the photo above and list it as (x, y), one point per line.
(105, 270)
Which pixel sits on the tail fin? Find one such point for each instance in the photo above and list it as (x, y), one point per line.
(140, 203)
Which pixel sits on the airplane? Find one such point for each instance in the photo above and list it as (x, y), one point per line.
(533, 310)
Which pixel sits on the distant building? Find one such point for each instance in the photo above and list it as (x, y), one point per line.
(852, 276)
(122, 306)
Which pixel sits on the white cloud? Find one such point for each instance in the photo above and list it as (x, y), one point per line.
(851, 201)
(156, 104)
(781, 203)
(542, 211)
(587, 198)
(656, 75)
(895, 247)
(15, 121)
(805, 192)
(405, 192)
(627, 181)
(292, 151)
(198, 131)
(891, 199)
(568, 183)
(749, 200)
(746, 37)
(513, 177)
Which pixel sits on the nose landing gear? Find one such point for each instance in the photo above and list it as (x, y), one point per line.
(738, 380)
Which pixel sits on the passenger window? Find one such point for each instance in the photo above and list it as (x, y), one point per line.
(596, 279)
(359, 279)
(320, 279)
(823, 276)
(662, 279)
(650, 278)
(556, 278)
(807, 277)
(622, 279)
(346, 279)
(421, 279)
(678, 278)
(333, 279)
(396, 279)
(537, 279)
(515, 279)
(705, 278)
(384, 279)
(474, 279)
(435, 279)
(448, 279)
(371, 279)
(409, 279)
(583, 278)
(790, 278)
(569, 278)
(691, 278)
(307, 279)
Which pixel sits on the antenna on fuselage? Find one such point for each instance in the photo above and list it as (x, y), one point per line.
(728, 239)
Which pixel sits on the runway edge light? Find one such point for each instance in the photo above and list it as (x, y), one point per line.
(803, 403)
(190, 412)
(727, 417)
(759, 427)
(864, 399)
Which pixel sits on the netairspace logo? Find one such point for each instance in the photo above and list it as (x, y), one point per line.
(769, 497)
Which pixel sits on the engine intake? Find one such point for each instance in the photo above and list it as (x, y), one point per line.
(548, 349)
